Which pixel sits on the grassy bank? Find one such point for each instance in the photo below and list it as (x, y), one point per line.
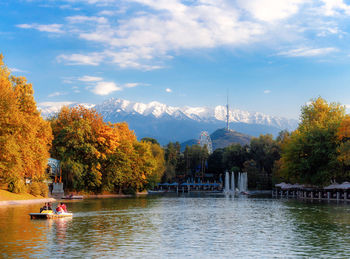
(9, 196)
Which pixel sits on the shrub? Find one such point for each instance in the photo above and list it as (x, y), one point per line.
(16, 186)
(35, 189)
(129, 191)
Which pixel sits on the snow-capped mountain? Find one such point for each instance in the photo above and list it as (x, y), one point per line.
(112, 107)
(168, 123)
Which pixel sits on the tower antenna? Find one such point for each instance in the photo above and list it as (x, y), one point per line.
(227, 114)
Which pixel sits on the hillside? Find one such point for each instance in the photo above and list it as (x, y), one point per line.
(222, 138)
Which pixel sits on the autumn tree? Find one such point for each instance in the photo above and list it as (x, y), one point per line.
(98, 156)
(310, 154)
(25, 137)
(81, 142)
(11, 165)
(159, 160)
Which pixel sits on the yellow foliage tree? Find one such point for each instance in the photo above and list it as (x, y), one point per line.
(159, 162)
(25, 137)
(310, 154)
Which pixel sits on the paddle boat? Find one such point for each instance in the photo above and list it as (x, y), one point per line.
(49, 214)
(73, 197)
(155, 192)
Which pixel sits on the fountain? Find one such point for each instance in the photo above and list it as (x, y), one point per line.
(233, 186)
(227, 182)
(242, 182)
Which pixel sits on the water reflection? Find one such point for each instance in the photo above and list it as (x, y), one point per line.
(184, 226)
(321, 229)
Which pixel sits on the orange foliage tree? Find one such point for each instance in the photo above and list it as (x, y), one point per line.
(98, 156)
(25, 137)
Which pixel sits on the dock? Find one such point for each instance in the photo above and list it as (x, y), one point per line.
(333, 192)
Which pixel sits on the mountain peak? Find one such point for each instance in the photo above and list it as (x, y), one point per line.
(169, 123)
(207, 114)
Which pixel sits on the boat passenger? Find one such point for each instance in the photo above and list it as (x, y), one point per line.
(59, 209)
(63, 206)
(45, 207)
(49, 206)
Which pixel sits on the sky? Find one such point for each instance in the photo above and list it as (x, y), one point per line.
(269, 56)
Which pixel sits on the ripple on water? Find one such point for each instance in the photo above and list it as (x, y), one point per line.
(178, 227)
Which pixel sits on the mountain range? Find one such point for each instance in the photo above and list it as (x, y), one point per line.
(168, 123)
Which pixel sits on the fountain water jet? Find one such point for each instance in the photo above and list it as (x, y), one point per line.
(227, 182)
(242, 182)
(233, 185)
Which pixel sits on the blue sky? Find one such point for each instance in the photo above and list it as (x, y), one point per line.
(272, 56)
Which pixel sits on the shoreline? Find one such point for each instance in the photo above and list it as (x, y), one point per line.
(101, 196)
(57, 199)
(29, 201)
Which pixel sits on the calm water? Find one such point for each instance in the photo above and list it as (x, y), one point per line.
(178, 227)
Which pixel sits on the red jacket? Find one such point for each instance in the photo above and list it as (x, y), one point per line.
(63, 206)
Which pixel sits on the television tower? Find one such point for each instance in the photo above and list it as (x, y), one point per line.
(227, 114)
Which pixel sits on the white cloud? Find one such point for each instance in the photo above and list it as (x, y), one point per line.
(131, 85)
(53, 28)
(67, 80)
(308, 52)
(136, 42)
(85, 19)
(271, 10)
(335, 7)
(56, 94)
(93, 59)
(90, 78)
(164, 28)
(105, 88)
(267, 91)
(69, 7)
(168, 90)
(106, 13)
(16, 70)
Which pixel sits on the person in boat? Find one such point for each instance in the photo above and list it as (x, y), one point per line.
(59, 209)
(45, 207)
(63, 206)
(49, 206)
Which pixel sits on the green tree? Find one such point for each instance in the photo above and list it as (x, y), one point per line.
(172, 156)
(310, 154)
(234, 156)
(264, 150)
(216, 163)
(152, 140)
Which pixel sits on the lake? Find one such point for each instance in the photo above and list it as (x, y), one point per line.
(192, 226)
